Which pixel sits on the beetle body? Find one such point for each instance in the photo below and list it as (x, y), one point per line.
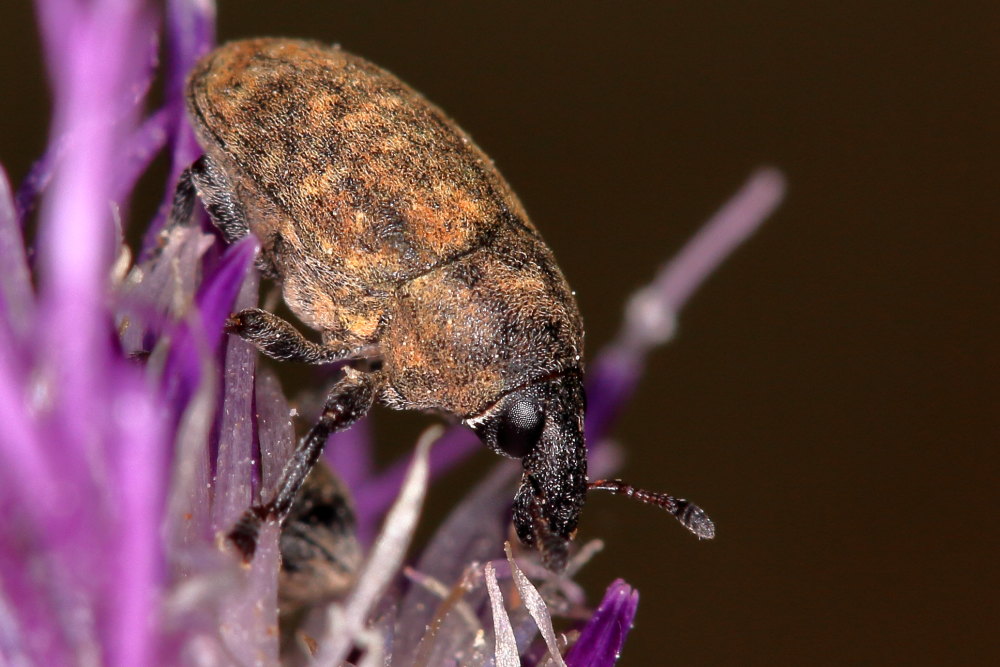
(385, 223)
(395, 237)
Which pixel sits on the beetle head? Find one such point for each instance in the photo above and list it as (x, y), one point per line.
(542, 424)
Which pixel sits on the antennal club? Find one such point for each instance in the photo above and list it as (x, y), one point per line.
(690, 515)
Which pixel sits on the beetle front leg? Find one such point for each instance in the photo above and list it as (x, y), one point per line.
(281, 341)
(348, 401)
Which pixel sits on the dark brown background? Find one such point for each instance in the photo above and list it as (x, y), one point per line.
(831, 399)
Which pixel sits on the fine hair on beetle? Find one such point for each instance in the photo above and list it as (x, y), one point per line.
(393, 235)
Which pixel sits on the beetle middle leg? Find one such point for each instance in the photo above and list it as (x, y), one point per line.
(349, 400)
(281, 341)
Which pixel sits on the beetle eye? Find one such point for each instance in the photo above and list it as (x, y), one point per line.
(520, 427)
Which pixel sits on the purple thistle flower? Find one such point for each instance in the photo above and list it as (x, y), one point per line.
(133, 432)
(601, 640)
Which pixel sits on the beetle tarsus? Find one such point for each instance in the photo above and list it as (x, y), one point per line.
(246, 531)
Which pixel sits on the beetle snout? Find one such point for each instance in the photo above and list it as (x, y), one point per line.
(541, 525)
(554, 484)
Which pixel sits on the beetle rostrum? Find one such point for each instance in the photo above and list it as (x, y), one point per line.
(394, 236)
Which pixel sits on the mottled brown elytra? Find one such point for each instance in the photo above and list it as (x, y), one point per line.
(394, 236)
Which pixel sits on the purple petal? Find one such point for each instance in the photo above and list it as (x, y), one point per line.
(235, 466)
(160, 291)
(37, 179)
(249, 617)
(455, 625)
(147, 141)
(214, 302)
(603, 636)
(733, 224)
(190, 35)
(28, 622)
(215, 298)
(96, 60)
(274, 430)
(141, 440)
(139, 151)
(101, 63)
(189, 514)
(611, 381)
(536, 606)
(21, 456)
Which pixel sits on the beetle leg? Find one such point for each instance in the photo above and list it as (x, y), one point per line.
(216, 193)
(205, 180)
(349, 400)
(280, 340)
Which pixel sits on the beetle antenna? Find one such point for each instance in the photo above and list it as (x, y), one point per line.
(690, 515)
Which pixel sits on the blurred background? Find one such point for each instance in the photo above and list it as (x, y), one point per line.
(831, 398)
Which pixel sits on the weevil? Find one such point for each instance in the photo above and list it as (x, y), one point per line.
(394, 236)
